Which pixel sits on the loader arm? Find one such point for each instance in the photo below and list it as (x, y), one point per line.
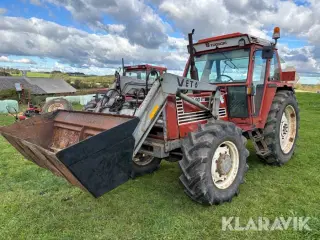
(156, 99)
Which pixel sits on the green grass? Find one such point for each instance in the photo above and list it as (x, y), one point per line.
(39, 74)
(92, 79)
(34, 204)
(77, 107)
(87, 79)
(16, 74)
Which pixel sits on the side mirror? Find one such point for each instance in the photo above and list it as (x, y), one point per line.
(267, 52)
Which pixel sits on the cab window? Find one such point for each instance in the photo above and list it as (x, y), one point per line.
(274, 69)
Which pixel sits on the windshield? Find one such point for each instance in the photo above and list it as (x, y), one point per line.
(139, 74)
(223, 67)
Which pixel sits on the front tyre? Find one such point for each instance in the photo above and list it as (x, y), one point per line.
(281, 130)
(214, 162)
(144, 164)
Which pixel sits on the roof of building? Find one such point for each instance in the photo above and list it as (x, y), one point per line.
(50, 85)
(37, 85)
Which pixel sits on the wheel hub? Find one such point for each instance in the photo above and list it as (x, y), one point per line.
(55, 106)
(224, 164)
(287, 131)
(284, 128)
(142, 159)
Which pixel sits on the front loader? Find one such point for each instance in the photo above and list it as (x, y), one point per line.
(239, 92)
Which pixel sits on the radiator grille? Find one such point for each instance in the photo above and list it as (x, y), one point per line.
(194, 116)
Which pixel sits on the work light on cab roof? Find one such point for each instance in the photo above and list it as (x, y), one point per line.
(276, 33)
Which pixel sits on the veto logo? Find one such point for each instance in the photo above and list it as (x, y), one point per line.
(187, 83)
(216, 44)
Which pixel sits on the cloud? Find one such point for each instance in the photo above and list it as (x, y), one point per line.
(249, 6)
(3, 11)
(36, 37)
(302, 58)
(115, 28)
(143, 26)
(36, 2)
(22, 60)
(256, 17)
(208, 17)
(140, 30)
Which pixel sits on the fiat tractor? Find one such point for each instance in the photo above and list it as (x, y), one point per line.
(141, 76)
(232, 89)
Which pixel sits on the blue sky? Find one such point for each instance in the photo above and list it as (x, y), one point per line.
(93, 35)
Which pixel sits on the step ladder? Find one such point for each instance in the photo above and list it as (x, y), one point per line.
(259, 143)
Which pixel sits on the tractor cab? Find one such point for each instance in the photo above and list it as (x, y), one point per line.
(246, 69)
(142, 71)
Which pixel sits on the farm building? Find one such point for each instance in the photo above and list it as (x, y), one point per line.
(37, 86)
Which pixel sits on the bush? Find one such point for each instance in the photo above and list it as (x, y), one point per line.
(9, 94)
(39, 100)
(5, 74)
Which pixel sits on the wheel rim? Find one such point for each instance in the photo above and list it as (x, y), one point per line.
(225, 165)
(288, 127)
(55, 106)
(142, 159)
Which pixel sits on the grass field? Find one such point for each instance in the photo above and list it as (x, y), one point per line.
(34, 204)
(38, 74)
(87, 79)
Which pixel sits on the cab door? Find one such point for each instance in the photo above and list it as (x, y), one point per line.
(258, 83)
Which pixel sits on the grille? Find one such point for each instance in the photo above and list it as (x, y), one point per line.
(194, 116)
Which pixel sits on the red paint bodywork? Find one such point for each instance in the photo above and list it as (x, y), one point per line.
(221, 37)
(171, 118)
(177, 130)
(146, 67)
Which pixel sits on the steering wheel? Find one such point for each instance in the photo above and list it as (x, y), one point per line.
(230, 78)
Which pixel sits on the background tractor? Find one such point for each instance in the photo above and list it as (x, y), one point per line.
(143, 75)
(232, 89)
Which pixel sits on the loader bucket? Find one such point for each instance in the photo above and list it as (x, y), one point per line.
(91, 150)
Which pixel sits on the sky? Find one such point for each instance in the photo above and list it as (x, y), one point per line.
(92, 36)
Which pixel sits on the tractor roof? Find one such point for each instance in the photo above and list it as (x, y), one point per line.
(228, 40)
(144, 66)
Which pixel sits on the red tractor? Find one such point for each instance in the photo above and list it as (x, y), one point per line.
(143, 75)
(141, 71)
(232, 90)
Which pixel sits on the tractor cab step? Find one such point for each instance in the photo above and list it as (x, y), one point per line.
(259, 143)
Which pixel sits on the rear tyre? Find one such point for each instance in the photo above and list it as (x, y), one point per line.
(144, 164)
(214, 162)
(56, 104)
(281, 130)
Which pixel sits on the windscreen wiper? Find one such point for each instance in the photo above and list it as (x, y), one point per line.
(228, 59)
